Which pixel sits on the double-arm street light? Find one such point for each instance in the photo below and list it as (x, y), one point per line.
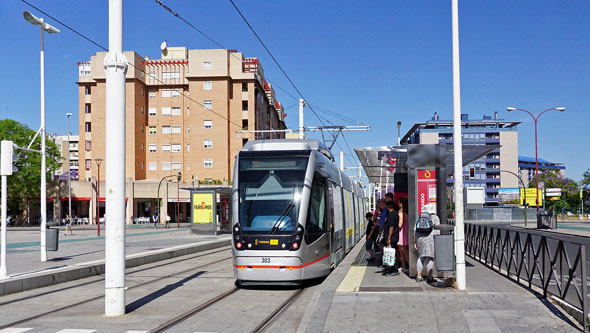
(560, 109)
(52, 30)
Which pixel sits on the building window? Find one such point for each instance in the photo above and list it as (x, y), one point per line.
(170, 75)
(207, 65)
(166, 93)
(88, 164)
(166, 148)
(142, 165)
(244, 105)
(244, 141)
(87, 108)
(142, 128)
(244, 124)
(188, 112)
(208, 124)
(208, 143)
(152, 111)
(207, 85)
(188, 165)
(166, 111)
(88, 126)
(152, 129)
(188, 129)
(152, 148)
(165, 129)
(244, 86)
(152, 75)
(88, 145)
(153, 166)
(142, 92)
(142, 110)
(87, 90)
(142, 146)
(166, 166)
(176, 166)
(208, 163)
(176, 130)
(175, 92)
(151, 93)
(176, 148)
(188, 147)
(176, 111)
(208, 105)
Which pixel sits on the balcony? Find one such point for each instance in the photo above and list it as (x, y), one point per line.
(492, 180)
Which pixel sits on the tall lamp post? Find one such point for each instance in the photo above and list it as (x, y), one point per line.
(98, 162)
(52, 30)
(560, 109)
(68, 115)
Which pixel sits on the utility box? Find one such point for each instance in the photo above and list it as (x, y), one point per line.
(52, 239)
(444, 248)
(475, 197)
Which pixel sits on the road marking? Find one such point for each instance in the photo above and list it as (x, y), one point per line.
(136, 331)
(75, 330)
(352, 280)
(15, 330)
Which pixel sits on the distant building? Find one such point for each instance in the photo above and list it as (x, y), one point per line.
(62, 145)
(183, 112)
(527, 168)
(486, 131)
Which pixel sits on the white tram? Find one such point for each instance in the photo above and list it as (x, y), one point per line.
(295, 214)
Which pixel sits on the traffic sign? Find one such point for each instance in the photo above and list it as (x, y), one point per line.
(553, 192)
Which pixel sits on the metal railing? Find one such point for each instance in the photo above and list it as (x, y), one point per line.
(554, 263)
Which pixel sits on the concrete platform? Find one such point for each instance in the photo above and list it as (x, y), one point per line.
(357, 298)
(82, 254)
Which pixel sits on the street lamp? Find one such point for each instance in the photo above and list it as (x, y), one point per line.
(560, 109)
(98, 161)
(68, 115)
(52, 30)
(399, 124)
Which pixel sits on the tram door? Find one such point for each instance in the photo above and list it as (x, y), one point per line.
(317, 231)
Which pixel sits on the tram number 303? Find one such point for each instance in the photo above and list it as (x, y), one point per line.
(265, 260)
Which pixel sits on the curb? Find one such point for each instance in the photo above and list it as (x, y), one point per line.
(84, 270)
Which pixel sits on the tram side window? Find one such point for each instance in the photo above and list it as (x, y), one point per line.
(316, 214)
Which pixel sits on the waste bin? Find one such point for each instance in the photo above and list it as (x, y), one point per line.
(51, 239)
(444, 248)
(545, 219)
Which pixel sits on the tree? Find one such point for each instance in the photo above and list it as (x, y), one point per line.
(26, 183)
(570, 190)
(585, 182)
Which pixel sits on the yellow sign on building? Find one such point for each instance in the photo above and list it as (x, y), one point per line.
(202, 207)
(531, 197)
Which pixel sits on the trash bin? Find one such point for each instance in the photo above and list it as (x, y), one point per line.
(52, 239)
(545, 219)
(444, 248)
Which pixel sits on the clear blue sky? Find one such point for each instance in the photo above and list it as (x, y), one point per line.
(376, 62)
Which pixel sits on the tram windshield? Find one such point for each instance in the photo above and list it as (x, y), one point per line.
(270, 192)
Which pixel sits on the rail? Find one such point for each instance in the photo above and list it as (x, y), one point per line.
(541, 259)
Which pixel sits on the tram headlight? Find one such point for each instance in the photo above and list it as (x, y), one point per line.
(237, 233)
(296, 238)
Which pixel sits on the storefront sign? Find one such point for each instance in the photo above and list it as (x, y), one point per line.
(202, 207)
(426, 188)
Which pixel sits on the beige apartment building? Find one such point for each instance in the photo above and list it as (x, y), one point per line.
(183, 112)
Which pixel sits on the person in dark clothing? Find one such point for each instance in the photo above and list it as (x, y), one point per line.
(391, 233)
(371, 234)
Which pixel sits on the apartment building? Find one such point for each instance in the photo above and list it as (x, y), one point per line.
(487, 170)
(183, 112)
(66, 147)
(527, 168)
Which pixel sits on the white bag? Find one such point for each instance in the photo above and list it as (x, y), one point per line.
(389, 256)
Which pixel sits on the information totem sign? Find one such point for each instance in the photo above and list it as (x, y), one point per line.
(426, 189)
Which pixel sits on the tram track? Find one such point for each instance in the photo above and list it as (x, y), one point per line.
(88, 300)
(261, 327)
(100, 278)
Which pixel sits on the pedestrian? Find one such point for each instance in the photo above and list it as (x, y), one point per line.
(402, 244)
(167, 220)
(68, 225)
(424, 241)
(155, 218)
(391, 232)
(378, 230)
(371, 234)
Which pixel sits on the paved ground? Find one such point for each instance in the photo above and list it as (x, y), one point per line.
(363, 300)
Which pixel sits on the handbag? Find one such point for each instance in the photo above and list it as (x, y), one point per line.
(381, 238)
(389, 256)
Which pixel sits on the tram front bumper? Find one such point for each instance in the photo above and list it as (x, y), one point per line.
(260, 268)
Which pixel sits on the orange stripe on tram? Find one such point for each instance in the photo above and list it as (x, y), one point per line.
(288, 267)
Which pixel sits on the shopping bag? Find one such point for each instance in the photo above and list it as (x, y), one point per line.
(389, 256)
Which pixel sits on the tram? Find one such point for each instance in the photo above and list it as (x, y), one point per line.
(295, 214)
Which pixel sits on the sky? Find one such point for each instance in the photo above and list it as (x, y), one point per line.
(376, 62)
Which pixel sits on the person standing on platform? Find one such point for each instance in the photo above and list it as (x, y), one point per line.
(371, 234)
(376, 219)
(391, 234)
(424, 243)
(402, 244)
(155, 218)
(68, 225)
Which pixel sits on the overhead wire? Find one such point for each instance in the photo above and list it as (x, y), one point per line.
(132, 65)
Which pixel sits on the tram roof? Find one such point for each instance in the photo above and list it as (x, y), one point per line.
(287, 144)
(376, 160)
